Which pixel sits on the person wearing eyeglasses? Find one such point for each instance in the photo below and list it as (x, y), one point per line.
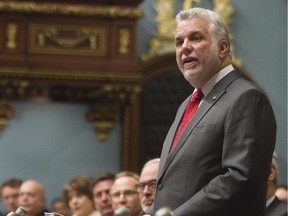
(147, 183)
(123, 193)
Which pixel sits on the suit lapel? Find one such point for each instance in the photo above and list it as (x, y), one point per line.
(208, 102)
(172, 132)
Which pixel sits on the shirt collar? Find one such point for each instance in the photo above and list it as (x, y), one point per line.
(270, 200)
(216, 78)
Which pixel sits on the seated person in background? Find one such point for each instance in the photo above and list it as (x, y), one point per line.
(147, 183)
(78, 195)
(9, 193)
(282, 193)
(101, 193)
(58, 205)
(274, 207)
(32, 198)
(123, 193)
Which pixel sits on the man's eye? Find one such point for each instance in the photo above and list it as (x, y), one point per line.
(178, 43)
(196, 38)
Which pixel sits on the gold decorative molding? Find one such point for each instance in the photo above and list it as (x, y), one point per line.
(189, 3)
(123, 94)
(60, 39)
(11, 34)
(226, 10)
(124, 40)
(107, 110)
(69, 74)
(70, 9)
(6, 112)
(103, 116)
(165, 18)
(163, 42)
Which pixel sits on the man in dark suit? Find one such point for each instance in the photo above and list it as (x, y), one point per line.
(220, 162)
(274, 206)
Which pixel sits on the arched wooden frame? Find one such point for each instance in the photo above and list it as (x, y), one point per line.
(163, 89)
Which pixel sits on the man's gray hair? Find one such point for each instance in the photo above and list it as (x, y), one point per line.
(275, 165)
(217, 26)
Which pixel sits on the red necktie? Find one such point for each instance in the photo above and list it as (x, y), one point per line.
(189, 112)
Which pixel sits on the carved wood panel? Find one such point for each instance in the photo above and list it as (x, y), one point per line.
(80, 52)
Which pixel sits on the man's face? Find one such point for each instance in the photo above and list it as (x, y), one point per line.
(123, 193)
(147, 185)
(10, 197)
(31, 198)
(197, 54)
(102, 198)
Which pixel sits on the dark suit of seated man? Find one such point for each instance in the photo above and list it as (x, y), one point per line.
(274, 207)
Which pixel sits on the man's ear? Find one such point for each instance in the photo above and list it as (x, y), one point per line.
(223, 48)
(272, 174)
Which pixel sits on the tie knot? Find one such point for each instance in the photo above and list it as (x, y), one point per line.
(197, 95)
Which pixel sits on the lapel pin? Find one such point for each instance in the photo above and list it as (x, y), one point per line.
(214, 98)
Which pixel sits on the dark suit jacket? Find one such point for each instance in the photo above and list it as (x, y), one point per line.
(276, 208)
(221, 162)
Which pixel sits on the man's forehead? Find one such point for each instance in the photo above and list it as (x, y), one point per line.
(9, 188)
(103, 184)
(124, 183)
(31, 190)
(195, 24)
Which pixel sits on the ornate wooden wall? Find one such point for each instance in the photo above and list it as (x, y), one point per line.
(80, 52)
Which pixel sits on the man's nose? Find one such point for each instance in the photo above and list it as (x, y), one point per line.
(147, 190)
(122, 199)
(105, 196)
(187, 46)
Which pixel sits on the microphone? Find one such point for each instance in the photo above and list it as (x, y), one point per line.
(19, 212)
(122, 211)
(165, 211)
(11, 214)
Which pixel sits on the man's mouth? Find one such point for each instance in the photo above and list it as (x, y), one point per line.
(189, 59)
(148, 202)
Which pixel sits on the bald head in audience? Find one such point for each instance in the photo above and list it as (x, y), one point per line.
(32, 198)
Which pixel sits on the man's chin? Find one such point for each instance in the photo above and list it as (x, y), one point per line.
(107, 213)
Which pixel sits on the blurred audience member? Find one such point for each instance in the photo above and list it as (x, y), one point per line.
(124, 193)
(9, 193)
(60, 206)
(282, 193)
(274, 207)
(147, 183)
(32, 198)
(78, 195)
(101, 193)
